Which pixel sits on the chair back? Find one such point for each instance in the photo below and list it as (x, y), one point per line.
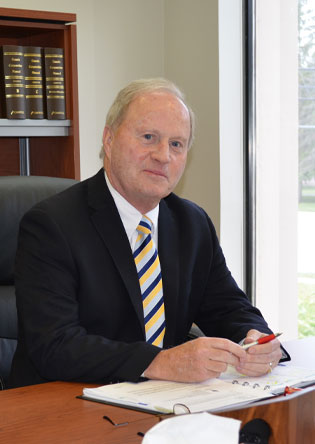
(17, 195)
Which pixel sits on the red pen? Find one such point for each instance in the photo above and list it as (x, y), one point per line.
(262, 340)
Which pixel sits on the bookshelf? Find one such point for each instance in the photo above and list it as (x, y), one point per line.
(42, 147)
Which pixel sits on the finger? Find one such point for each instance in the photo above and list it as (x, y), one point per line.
(255, 369)
(229, 346)
(262, 358)
(224, 357)
(253, 335)
(211, 374)
(259, 364)
(217, 367)
(269, 347)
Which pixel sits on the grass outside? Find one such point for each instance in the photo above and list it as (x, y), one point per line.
(307, 206)
(306, 295)
(308, 199)
(308, 191)
(306, 281)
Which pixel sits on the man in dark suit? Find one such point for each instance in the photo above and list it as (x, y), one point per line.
(81, 307)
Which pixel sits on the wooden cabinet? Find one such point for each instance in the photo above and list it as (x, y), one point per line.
(42, 147)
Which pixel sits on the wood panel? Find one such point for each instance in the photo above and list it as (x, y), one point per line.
(292, 420)
(9, 157)
(63, 17)
(51, 413)
(52, 156)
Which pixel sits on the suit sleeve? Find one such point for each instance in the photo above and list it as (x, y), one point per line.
(225, 310)
(50, 330)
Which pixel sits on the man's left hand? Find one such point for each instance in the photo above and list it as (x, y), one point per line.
(260, 358)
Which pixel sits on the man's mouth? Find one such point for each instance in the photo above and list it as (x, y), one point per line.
(156, 173)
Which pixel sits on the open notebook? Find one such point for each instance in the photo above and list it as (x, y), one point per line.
(275, 382)
(230, 390)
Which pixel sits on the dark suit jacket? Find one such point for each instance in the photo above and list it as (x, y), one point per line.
(78, 297)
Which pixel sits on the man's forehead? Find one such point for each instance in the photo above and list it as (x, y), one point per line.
(156, 101)
(158, 96)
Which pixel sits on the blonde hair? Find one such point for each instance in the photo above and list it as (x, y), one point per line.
(118, 110)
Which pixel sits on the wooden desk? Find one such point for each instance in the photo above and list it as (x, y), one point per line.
(292, 420)
(51, 413)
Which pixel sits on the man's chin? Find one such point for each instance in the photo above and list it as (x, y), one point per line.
(156, 193)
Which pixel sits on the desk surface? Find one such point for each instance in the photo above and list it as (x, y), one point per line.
(51, 413)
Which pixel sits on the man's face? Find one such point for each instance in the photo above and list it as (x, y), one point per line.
(146, 155)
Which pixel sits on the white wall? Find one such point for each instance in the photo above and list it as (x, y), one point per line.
(128, 43)
(192, 61)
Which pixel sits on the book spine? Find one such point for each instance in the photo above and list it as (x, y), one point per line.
(13, 81)
(55, 83)
(34, 93)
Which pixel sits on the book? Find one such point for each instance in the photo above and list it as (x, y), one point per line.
(55, 83)
(12, 81)
(231, 390)
(34, 94)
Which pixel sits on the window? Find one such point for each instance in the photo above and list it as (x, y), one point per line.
(276, 162)
(282, 160)
(306, 174)
(284, 164)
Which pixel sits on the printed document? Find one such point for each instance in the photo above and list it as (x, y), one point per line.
(162, 396)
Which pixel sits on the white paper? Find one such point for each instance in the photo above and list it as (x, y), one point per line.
(161, 396)
(199, 428)
(274, 382)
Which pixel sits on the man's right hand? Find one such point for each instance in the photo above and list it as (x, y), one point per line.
(195, 361)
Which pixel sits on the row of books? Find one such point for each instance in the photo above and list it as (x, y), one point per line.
(32, 83)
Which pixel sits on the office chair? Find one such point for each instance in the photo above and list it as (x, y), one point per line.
(17, 195)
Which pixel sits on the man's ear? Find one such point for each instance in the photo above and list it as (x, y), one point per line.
(108, 137)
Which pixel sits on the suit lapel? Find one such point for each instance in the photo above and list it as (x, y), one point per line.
(168, 254)
(107, 222)
(106, 219)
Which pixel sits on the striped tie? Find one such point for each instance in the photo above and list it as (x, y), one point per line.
(149, 273)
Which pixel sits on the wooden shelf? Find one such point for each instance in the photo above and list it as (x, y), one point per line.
(34, 15)
(53, 144)
(34, 128)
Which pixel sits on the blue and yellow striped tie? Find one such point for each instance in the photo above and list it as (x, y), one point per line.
(150, 279)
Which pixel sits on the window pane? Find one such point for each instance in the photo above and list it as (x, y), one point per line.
(306, 215)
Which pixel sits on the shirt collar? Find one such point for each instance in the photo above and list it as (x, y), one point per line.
(129, 215)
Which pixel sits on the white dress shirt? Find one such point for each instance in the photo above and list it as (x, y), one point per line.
(131, 217)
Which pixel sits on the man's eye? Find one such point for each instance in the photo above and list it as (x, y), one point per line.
(148, 136)
(176, 144)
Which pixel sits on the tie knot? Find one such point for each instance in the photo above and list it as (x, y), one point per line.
(145, 226)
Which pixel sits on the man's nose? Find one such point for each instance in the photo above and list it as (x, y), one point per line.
(162, 152)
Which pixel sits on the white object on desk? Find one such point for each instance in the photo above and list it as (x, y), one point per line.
(201, 428)
(302, 352)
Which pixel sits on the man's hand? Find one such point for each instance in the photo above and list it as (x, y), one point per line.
(196, 360)
(261, 358)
